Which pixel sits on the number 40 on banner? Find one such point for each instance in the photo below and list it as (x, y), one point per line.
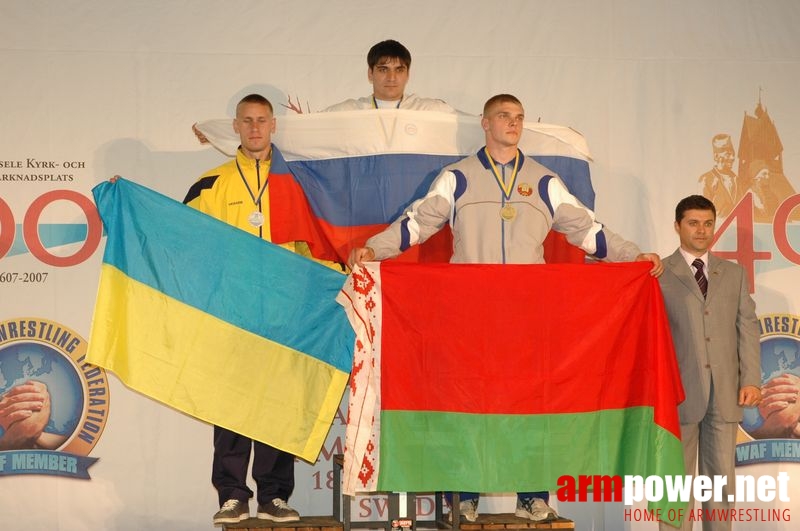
(746, 254)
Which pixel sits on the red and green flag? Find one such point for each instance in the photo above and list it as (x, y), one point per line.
(503, 378)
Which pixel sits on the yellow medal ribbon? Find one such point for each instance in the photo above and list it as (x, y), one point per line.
(506, 189)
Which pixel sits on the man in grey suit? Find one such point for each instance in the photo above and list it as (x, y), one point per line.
(716, 336)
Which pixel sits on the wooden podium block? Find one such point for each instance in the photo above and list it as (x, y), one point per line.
(508, 521)
(310, 523)
(485, 522)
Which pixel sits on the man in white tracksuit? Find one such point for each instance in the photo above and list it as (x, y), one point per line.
(500, 205)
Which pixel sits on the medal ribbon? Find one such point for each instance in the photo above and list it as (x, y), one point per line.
(375, 102)
(506, 189)
(256, 200)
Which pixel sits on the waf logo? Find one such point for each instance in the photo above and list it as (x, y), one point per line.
(770, 432)
(53, 405)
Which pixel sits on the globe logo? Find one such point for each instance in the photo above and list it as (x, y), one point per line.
(779, 355)
(23, 361)
(780, 359)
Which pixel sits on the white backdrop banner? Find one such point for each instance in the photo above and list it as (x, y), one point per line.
(673, 98)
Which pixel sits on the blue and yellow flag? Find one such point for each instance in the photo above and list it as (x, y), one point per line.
(217, 323)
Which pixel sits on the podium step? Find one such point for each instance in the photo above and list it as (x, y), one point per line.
(510, 521)
(502, 521)
(306, 523)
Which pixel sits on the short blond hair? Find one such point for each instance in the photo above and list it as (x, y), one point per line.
(498, 99)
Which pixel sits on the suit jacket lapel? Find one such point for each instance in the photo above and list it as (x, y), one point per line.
(714, 274)
(681, 269)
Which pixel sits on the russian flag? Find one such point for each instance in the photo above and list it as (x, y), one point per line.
(359, 170)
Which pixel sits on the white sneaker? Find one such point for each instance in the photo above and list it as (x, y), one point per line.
(231, 512)
(535, 509)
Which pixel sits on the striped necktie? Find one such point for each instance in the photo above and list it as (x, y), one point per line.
(699, 276)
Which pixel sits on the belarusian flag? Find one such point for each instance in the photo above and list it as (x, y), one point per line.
(503, 378)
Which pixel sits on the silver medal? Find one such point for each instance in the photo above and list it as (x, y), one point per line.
(256, 219)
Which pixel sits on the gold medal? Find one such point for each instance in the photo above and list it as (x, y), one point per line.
(508, 212)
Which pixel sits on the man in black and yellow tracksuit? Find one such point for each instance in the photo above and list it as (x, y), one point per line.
(237, 193)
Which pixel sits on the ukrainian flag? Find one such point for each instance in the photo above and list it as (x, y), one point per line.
(217, 323)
